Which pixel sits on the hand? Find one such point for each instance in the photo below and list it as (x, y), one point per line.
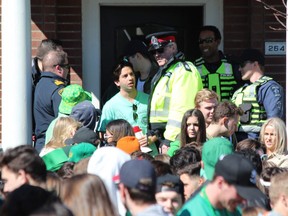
(143, 141)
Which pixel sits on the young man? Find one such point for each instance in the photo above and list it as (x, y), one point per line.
(225, 120)
(144, 64)
(137, 188)
(129, 104)
(173, 88)
(217, 73)
(262, 99)
(22, 165)
(278, 194)
(206, 101)
(170, 193)
(234, 182)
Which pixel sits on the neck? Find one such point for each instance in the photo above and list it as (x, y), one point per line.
(129, 95)
(213, 130)
(256, 76)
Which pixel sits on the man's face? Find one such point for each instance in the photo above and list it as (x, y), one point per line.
(11, 180)
(246, 69)
(229, 199)
(126, 80)
(170, 200)
(207, 108)
(208, 44)
(163, 55)
(190, 183)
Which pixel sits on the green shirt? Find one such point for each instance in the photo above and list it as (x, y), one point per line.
(201, 206)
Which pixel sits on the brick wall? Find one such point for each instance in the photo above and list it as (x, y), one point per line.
(247, 24)
(59, 19)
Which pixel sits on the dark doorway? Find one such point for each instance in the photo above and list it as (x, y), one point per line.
(118, 24)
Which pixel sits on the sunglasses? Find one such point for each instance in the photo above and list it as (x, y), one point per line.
(159, 51)
(135, 115)
(67, 66)
(206, 40)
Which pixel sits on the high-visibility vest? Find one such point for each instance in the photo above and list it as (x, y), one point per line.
(222, 82)
(173, 95)
(248, 95)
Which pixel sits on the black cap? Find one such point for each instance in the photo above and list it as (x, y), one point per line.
(135, 46)
(83, 134)
(252, 55)
(133, 171)
(169, 182)
(159, 40)
(239, 171)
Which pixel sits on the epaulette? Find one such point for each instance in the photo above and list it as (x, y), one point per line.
(58, 82)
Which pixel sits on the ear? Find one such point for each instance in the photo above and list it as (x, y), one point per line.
(202, 164)
(23, 176)
(117, 83)
(224, 121)
(200, 181)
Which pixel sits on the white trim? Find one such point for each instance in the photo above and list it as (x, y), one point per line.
(213, 15)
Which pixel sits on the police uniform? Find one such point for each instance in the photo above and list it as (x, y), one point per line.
(47, 98)
(259, 100)
(218, 76)
(172, 93)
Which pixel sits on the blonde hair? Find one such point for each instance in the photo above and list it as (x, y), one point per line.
(203, 95)
(64, 128)
(279, 185)
(280, 133)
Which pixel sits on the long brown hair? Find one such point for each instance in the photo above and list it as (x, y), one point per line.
(201, 136)
(85, 194)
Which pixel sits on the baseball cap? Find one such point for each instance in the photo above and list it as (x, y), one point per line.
(135, 46)
(212, 150)
(128, 144)
(81, 151)
(239, 171)
(252, 55)
(72, 95)
(83, 134)
(159, 40)
(133, 172)
(173, 183)
(86, 113)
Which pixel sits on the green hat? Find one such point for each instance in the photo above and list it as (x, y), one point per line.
(212, 150)
(55, 159)
(81, 151)
(72, 95)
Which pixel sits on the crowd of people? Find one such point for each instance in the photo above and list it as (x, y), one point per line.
(174, 137)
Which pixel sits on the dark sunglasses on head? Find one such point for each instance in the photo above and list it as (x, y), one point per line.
(206, 40)
(67, 66)
(160, 50)
(135, 115)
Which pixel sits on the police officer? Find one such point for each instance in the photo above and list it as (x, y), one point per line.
(47, 94)
(261, 99)
(173, 88)
(217, 73)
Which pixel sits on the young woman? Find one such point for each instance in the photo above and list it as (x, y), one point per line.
(193, 128)
(273, 136)
(85, 194)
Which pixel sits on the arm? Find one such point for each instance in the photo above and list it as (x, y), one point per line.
(271, 96)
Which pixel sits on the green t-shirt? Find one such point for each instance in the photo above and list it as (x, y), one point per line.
(201, 206)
